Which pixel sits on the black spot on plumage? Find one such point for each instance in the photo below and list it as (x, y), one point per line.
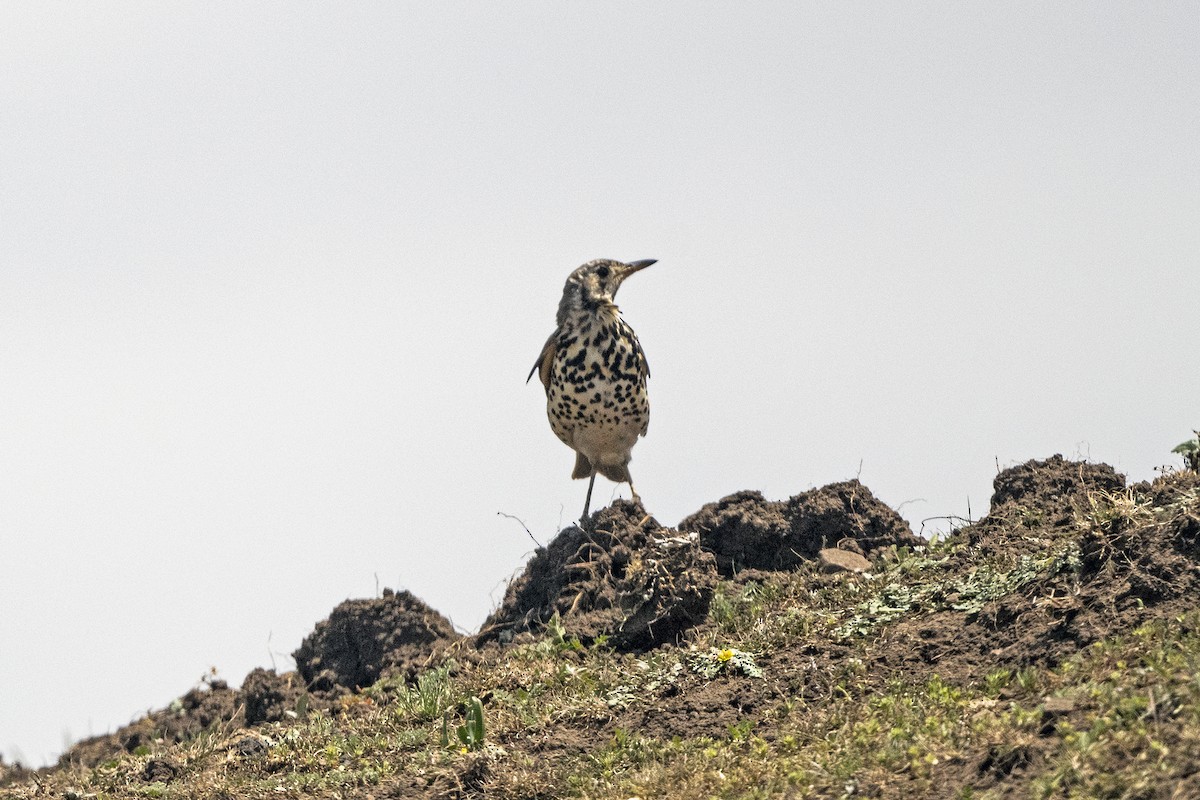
(609, 361)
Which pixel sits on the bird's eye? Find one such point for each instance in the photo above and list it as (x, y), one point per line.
(602, 272)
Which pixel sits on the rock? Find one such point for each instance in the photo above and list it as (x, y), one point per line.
(833, 560)
(1057, 706)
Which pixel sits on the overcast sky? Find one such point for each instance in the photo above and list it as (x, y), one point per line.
(272, 276)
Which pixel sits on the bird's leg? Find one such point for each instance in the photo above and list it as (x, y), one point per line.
(587, 503)
(632, 490)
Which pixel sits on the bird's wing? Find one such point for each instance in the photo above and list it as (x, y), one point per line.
(643, 364)
(545, 361)
(643, 367)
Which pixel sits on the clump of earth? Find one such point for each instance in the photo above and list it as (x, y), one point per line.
(363, 639)
(625, 577)
(360, 642)
(746, 531)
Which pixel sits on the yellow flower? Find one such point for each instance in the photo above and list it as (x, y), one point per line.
(724, 655)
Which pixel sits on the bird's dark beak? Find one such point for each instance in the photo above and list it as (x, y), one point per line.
(634, 266)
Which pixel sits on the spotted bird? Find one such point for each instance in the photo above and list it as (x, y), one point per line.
(595, 375)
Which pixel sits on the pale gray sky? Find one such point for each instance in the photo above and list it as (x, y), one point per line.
(272, 276)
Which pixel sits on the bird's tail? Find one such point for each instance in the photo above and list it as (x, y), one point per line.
(583, 467)
(617, 473)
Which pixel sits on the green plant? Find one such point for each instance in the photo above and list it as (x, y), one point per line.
(302, 706)
(558, 635)
(430, 697)
(472, 733)
(1190, 450)
(715, 661)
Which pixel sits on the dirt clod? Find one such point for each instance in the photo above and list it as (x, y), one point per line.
(201, 707)
(250, 747)
(744, 530)
(267, 696)
(626, 577)
(160, 770)
(1047, 484)
(363, 638)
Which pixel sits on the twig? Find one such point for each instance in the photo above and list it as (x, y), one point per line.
(913, 500)
(523, 525)
(950, 517)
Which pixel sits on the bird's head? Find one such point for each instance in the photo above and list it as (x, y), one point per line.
(595, 284)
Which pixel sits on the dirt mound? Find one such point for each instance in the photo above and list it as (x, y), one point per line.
(211, 702)
(1038, 498)
(364, 638)
(626, 577)
(1088, 560)
(264, 697)
(1146, 551)
(13, 773)
(1139, 561)
(267, 697)
(360, 640)
(1066, 556)
(1045, 485)
(1097, 559)
(744, 530)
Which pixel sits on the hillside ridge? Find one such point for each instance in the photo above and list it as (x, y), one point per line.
(808, 647)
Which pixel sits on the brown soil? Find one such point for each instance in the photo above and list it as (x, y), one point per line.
(362, 639)
(628, 578)
(1126, 580)
(209, 704)
(744, 530)
(1123, 583)
(267, 697)
(624, 577)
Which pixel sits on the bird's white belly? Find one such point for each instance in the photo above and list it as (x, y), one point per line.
(606, 443)
(604, 435)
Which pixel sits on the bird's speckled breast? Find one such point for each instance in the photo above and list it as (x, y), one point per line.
(597, 402)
